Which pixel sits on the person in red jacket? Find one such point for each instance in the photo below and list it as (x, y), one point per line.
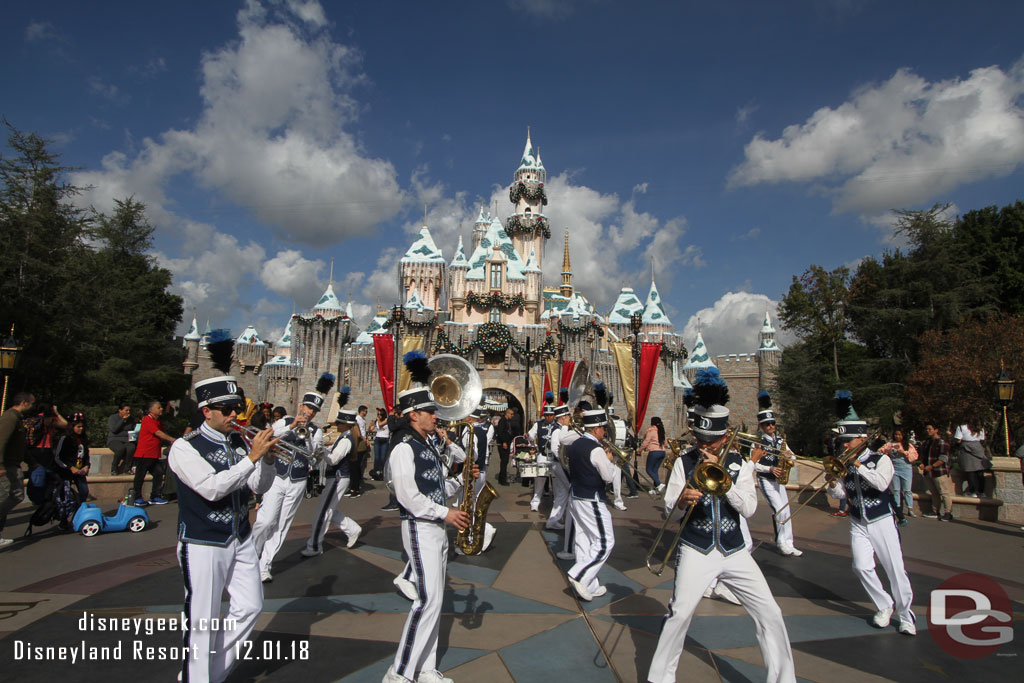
(152, 437)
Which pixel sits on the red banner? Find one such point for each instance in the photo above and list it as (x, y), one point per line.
(384, 348)
(649, 354)
(567, 368)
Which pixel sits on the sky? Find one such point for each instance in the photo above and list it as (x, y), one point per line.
(723, 146)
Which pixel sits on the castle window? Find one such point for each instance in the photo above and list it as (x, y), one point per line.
(495, 315)
(495, 276)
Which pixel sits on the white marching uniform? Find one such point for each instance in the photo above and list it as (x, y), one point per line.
(557, 518)
(778, 499)
(328, 514)
(482, 479)
(543, 457)
(426, 543)
(215, 546)
(594, 534)
(737, 571)
(279, 505)
(877, 537)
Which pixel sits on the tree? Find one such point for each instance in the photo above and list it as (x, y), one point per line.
(815, 309)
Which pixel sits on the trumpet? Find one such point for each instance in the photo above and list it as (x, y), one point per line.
(786, 457)
(283, 451)
(710, 478)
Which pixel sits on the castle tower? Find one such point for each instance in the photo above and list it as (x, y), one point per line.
(528, 226)
(284, 344)
(423, 271)
(533, 286)
(769, 355)
(328, 306)
(480, 227)
(191, 343)
(699, 358)
(656, 322)
(250, 350)
(566, 288)
(457, 282)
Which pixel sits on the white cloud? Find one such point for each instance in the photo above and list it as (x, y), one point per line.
(899, 143)
(107, 91)
(38, 31)
(732, 324)
(270, 136)
(293, 277)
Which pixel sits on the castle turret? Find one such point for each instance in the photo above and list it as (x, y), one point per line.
(423, 270)
(656, 322)
(768, 352)
(528, 226)
(699, 358)
(250, 350)
(480, 227)
(533, 274)
(566, 288)
(191, 343)
(457, 282)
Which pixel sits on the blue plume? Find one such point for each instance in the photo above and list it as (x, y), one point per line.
(549, 397)
(324, 384)
(844, 402)
(709, 388)
(413, 355)
(764, 400)
(563, 395)
(218, 335)
(221, 346)
(689, 398)
(416, 363)
(601, 394)
(342, 397)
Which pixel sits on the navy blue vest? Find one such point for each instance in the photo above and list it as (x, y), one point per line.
(584, 479)
(298, 468)
(214, 522)
(544, 435)
(867, 503)
(770, 459)
(714, 522)
(480, 443)
(430, 471)
(341, 470)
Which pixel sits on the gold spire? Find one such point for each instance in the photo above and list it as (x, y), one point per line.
(566, 288)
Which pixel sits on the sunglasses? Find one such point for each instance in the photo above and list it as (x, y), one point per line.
(226, 410)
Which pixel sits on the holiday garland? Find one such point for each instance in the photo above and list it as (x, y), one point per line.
(522, 223)
(414, 325)
(496, 300)
(581, 328)
(520, 189)
(493, 338)
(681, 354)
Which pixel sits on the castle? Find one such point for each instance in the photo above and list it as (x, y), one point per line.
(493, 309)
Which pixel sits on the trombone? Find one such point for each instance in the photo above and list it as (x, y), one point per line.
(710, 478)
(284, 451)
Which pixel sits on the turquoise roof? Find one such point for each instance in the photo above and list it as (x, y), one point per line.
(249, 336)
(460, 257)
(328, 300)
(415, 302)
(531, 263)
(286, 337)
(654, 314)
(423, 249)
(495, 235)
(699, 356)
(193, 330)
(626, 305)
(531, 159)
(376, 326)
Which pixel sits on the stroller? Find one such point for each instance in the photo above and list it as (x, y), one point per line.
(56, 499)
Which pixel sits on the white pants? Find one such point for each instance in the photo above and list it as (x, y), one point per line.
(540, 482)
(478, 485)
(427, 546)
(881, 538)
(748, 541)
(617, 486)
(329, 515)
(775, 494)
(694, 573)
(560, 487)
(595, 539)
(208, 571)
(275, 516)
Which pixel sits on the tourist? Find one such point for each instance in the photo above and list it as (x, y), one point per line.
(970, 441)
(12, 454)
(152, 437)
(119, 425)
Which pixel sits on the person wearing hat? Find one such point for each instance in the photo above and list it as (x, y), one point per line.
(872, 525)
(337, 474)
(422, 484)
(711, 545)
(590, 470)
(483, 437)
(277, 511)
(217, 475)
(768, 471)
(540, 435)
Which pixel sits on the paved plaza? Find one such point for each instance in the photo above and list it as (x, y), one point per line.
(509, 614)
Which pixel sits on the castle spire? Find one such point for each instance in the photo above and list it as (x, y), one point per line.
(566, 288)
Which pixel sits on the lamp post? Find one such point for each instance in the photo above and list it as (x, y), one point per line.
(560, 347)
(9, 354)
(1004, 396)
(397, 317)
(636, 322)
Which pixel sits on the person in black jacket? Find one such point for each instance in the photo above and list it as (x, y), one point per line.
(118, 426)
(71, 458)
(503, 435)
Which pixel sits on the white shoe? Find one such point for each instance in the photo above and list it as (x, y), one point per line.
(722, 592)
(558, 526)
(580, 590)
(309, 552)
(265, 576)
(791, 551)
(434, 676)
(534, 506)
(599, 591)
(6, 542)
(562, 555)
(354, 537)
(908, 627)
(406, 587)
(392, 677)
(619, 506)
(709, 593)
(660, 488)
(488, 537)
(882, 617)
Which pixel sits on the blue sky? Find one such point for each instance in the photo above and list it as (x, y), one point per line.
(734, 143)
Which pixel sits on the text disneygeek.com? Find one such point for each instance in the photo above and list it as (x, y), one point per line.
(138, 649)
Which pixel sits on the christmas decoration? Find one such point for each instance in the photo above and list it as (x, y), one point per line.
(496, 300)
(527, 223)
(581, 328)
(521, 189)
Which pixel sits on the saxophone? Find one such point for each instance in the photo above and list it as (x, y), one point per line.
(785, 464)
(471, 539)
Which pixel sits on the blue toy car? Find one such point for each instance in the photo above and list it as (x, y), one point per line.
(89, 520)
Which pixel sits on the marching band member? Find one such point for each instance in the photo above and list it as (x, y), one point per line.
(483, 437)
(872, 526)
(590, 470)
(337, 473)
(421, 486)
(558, 519)
(217, 475)
(540, 435)
(281, 502)
(768, 471)
(712, 547)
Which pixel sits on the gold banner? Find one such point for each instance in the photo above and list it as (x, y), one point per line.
(412, 342)
(552, 367)
(537, 387)
(624, 360)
